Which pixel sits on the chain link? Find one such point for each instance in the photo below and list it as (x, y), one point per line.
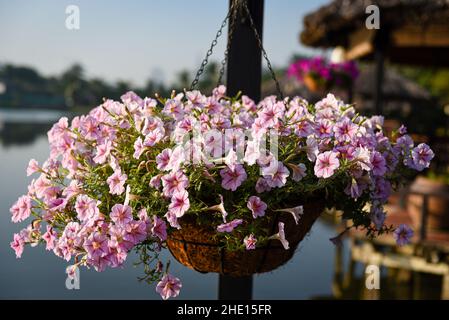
(264, 53)
(209, 52)
(233, 11)
(233, 18)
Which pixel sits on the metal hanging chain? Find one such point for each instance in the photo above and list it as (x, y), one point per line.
(233, 18)
(264, 53)
(209, 52)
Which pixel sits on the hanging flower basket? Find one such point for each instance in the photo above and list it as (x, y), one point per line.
(319, 76)
(227, 184)
(197, 247)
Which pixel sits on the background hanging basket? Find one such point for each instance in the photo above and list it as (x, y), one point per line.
(196, 246)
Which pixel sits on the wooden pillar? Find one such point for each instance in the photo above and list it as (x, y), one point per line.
(244, 74)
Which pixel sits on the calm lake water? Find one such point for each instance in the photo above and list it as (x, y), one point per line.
(41, 275)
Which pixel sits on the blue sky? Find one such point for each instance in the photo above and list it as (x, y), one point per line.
(134, 40)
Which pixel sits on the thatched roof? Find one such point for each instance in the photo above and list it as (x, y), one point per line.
(331, 24)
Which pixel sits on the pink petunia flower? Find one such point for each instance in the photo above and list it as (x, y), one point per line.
(172, 219)
(116, 182)
(323, 129)
(232, 179)
(250, 242)
(311, 148)
(86, 207)
(228, 227)
(257, 206)
(326, 164)
(17, 245)
(179, 203)
(169, 286)
(345, 130)
(21, 210)
(96, 245)
(281, 236)
(174, 182)
(296, 212)
(220, 208)
(102, 152)
(278, 177)
(33, 167)
(121, 214)
(138, 148)
(159, 228)
(163, 159)
(298, 171)
(135, 231)
(50, 237)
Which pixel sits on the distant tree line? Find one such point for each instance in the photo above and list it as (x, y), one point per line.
(25, 87)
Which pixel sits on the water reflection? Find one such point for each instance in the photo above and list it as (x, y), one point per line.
(317, 270)
(22, 127)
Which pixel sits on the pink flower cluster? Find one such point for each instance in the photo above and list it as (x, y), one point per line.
(123, 175)
(331, 74)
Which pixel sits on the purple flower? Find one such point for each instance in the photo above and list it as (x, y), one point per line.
(232, 179)
(257, 206)
(135, 231)
(96, 245)
(121, 214)
(276, 174)
(403, 234)
(163, 159)
(262, 185)
(402, 130)
(174, 182)
(345, 130)
(378, 164)
(250, 242)
(169, 286)
(326, 164)
(323, 129)
(421, 157)
(228, 227)
(378, 216)
(298, 171)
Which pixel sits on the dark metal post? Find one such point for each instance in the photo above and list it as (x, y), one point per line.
(378, 81)
(245, 58)
(244, 74)
(380, 45)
